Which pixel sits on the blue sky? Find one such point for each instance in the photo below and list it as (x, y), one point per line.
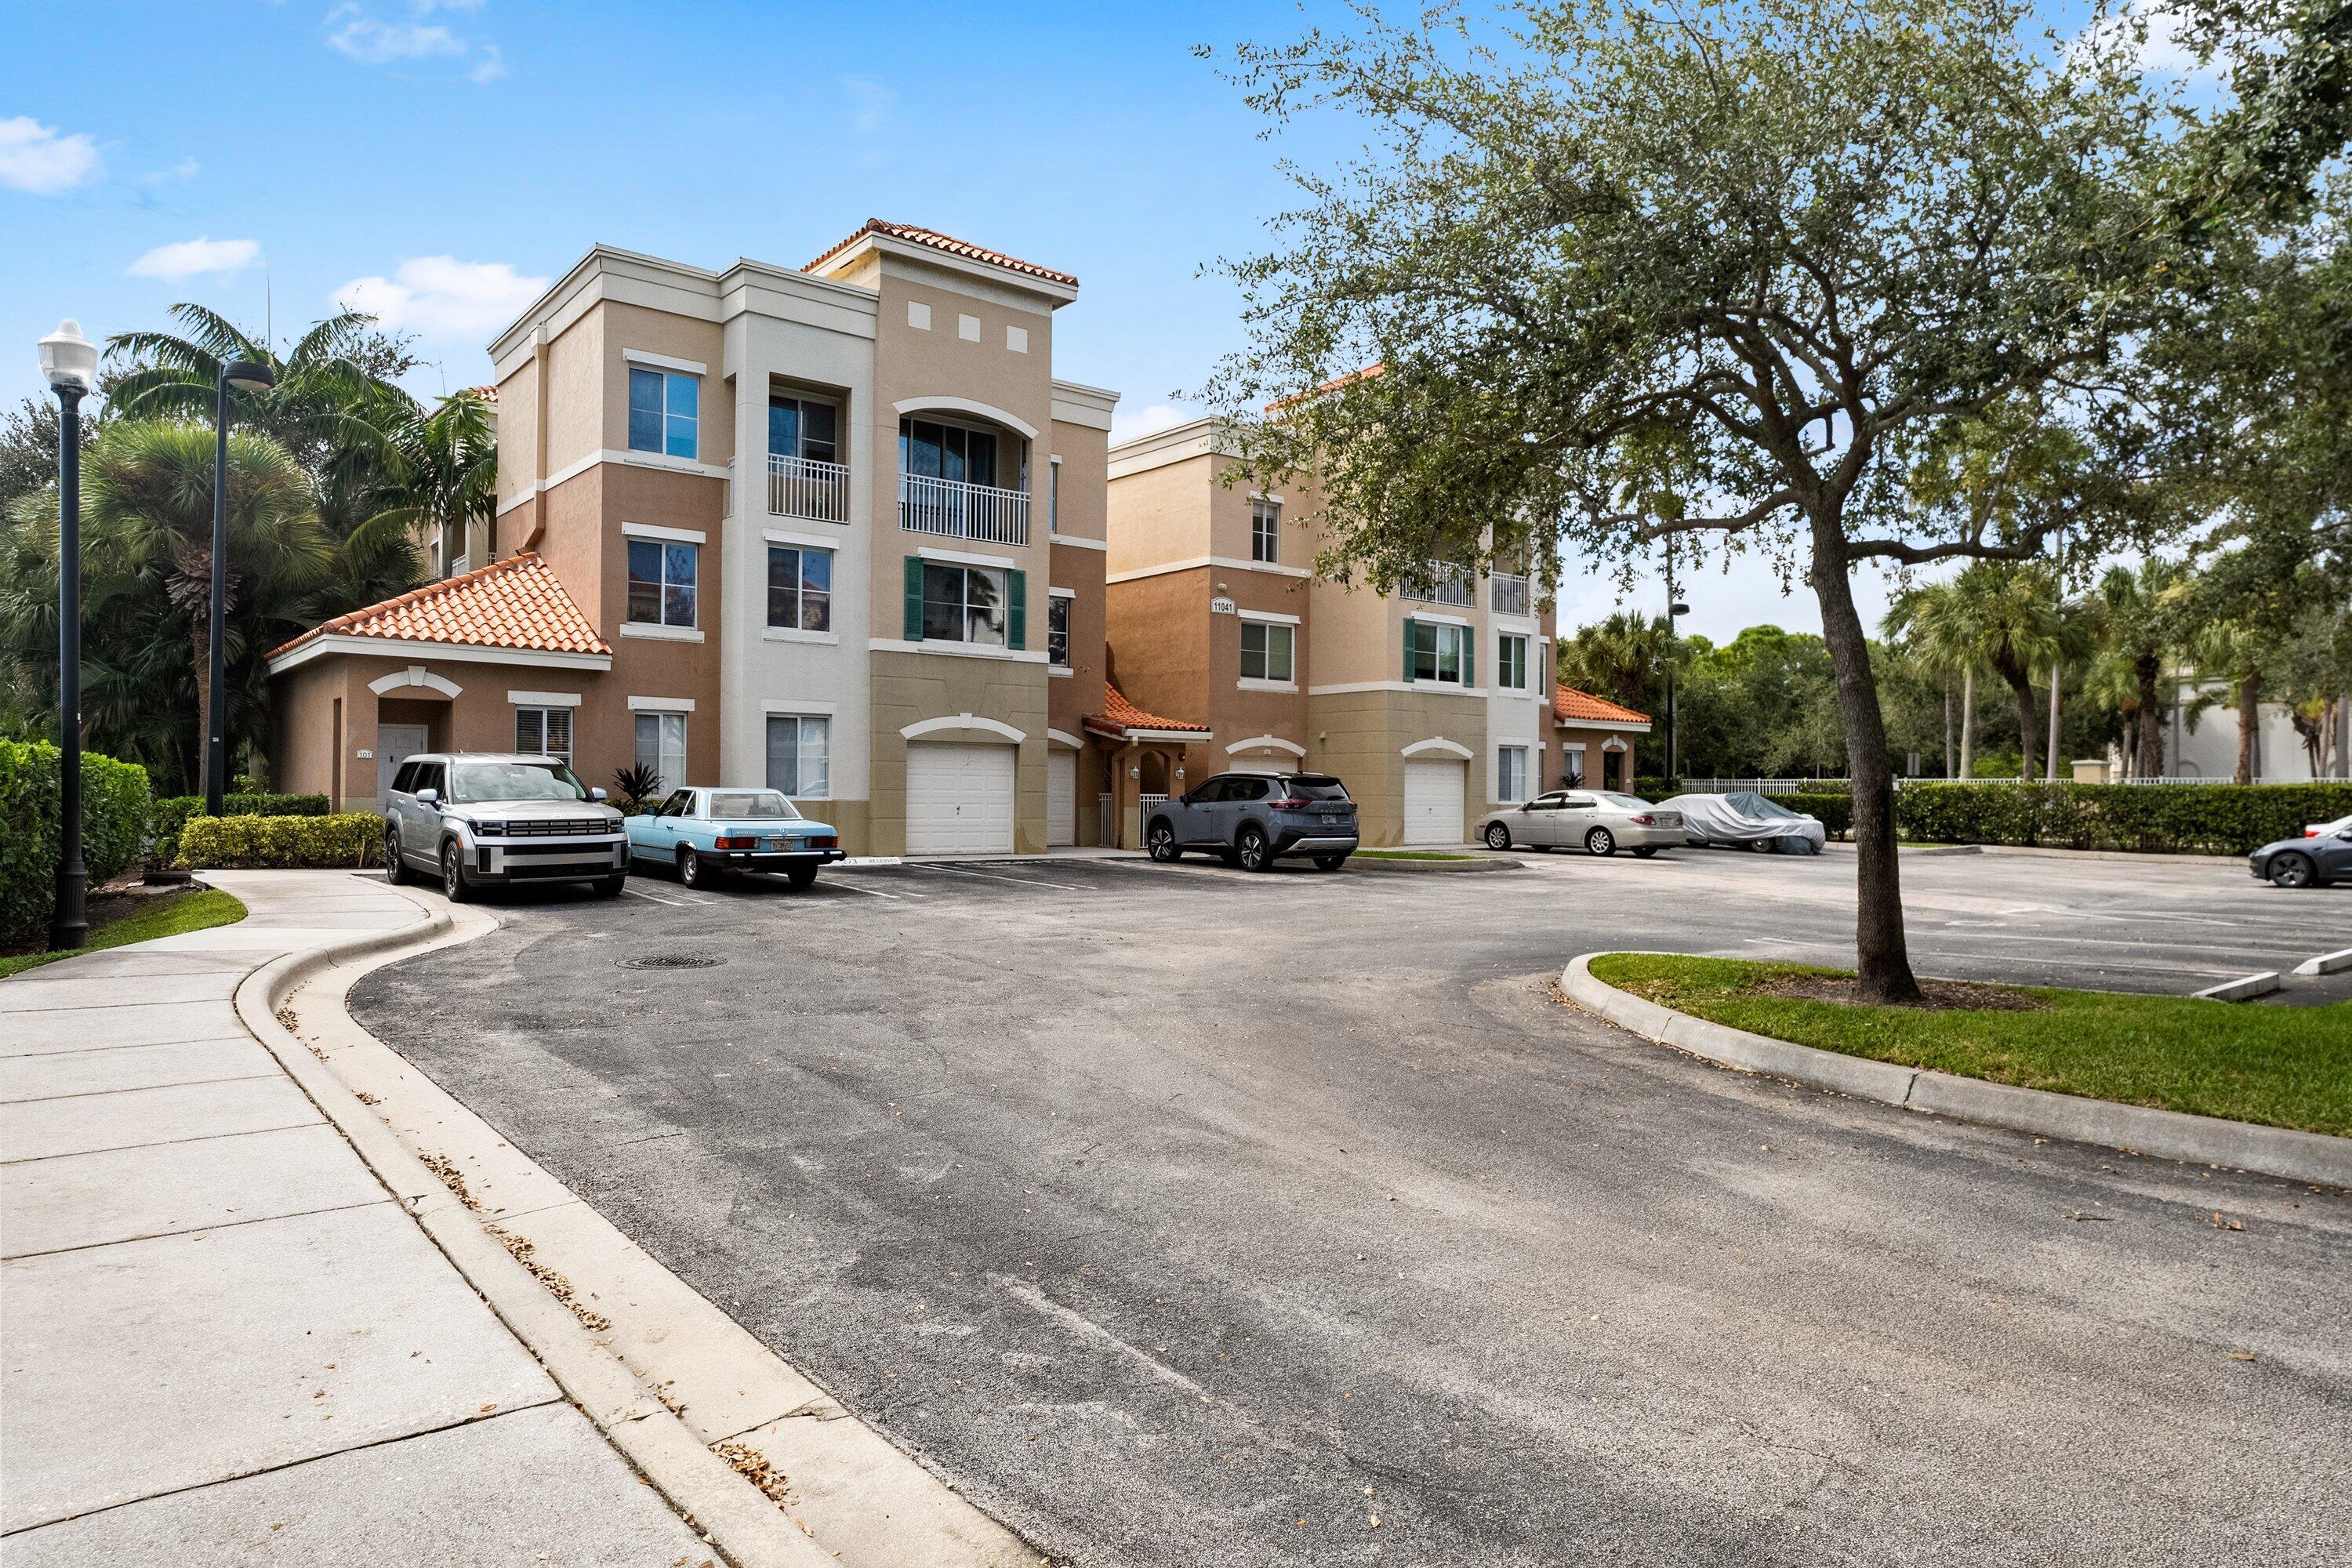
(437, 160)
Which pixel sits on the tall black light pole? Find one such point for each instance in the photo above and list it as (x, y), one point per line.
(1675, 608)
(246, 376)
(69, 365)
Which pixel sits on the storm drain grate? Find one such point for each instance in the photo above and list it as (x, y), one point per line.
(671, 961)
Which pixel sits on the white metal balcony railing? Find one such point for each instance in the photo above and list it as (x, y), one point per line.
(963, 511)
(1510, 595)
(1441, 585)
(805, 488)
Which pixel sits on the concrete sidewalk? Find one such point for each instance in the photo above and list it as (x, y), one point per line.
(225, 1341)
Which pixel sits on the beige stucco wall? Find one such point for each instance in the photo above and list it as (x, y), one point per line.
(1160, 515)
(909, 688)
(625, 327)
(1361, 736)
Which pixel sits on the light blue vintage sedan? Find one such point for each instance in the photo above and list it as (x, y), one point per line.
(706, 833)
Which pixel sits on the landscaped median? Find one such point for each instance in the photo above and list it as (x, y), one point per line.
(2267, 1088)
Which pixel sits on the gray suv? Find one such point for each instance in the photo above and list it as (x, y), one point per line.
(473, 817)
(1254, 819)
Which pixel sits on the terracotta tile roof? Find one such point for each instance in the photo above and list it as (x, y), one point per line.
(1376, 369)
(516, 603)
(1571, 706)
(947, 243)
(1119, 716)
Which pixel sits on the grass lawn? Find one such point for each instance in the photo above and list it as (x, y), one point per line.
(2285, 1067)
(1410, 854)
(167, 916)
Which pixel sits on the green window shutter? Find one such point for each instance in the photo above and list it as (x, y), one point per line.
(1016, 609)
(1469, 658)
(1408, 649)
(914, 598)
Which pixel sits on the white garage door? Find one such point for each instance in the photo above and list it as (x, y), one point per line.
(1061, 797)
(959, 800)
(1259, 765)
(1432, 802)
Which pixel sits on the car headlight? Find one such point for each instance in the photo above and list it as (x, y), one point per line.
(491, 829)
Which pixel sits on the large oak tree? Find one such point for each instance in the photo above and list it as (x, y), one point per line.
(1721, 271)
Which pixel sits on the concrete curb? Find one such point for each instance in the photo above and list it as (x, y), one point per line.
(1470, 863)
(2169, 1134)
(2327, 963)
(747, 1529)
(2245, 988)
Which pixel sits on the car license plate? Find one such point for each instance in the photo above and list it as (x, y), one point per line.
(779, 843)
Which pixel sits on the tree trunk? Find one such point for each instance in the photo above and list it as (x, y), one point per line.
(2151, 731)
(2057, 706)
(1968, 724)
(2249, 727)
(200, 644)
(2020, 687)
(1882, 961)
(1947, 724)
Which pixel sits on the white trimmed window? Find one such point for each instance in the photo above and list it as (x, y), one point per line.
(1268, 651)
(964, 604)
(545, 731)
(1057, 631)
(1511, 667)
(1266, 530)
(1511, 774)
(800, 748)
(661, 747)
(665, 412)
(1441, 652)
(662, 578)
(800, 587)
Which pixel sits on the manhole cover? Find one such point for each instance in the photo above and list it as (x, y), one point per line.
(671, 961)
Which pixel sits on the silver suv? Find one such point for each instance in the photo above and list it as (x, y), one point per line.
(476, 818)
(1253, 819)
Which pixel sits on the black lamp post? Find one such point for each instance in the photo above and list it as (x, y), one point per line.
(1675, 609)
(69, 365)
(246, 375)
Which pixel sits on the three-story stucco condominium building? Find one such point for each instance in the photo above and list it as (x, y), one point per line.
(835, 529)
(1432, 704)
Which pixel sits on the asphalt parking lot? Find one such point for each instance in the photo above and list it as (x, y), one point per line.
(1179, 1216)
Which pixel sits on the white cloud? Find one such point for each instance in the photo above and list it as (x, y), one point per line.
(442, 297)
(374, 43)
(187, 259)
(1127, 426)
(35, 158)
(179, 173)
(2163, 52)
(491, 67)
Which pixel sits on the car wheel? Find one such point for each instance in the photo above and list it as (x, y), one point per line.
(395, 871)
(609, 887)
(803, 878)
(452, 874)
(1498, 836)
(1252, 851)
(692, 872)
(1761, 846)
(1646, 851)
(2291, 870)
(1329, 862)
(1162, 842)
(1601, 841)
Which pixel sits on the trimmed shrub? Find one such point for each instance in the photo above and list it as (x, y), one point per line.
(351, 840)
(114, 806)
(171, 813)
(2202, 819)
(1834, 808)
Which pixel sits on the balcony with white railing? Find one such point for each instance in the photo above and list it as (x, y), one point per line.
(805, 488)
(1509, 594)
(1440, 583)
(958, 510)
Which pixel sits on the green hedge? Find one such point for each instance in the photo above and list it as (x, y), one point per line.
(2208, 819)
(1834, 808)
(282, 843)
(114, 803)
(171, 813)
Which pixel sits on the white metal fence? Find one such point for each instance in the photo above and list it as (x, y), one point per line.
(805, 488)
(963, 511)
(1800, 786)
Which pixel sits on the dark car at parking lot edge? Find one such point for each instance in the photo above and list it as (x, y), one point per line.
(2323, 855)
(1252, 820)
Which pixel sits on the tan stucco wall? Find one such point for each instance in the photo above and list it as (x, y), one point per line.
(1084, 452)
(909, 688)
(1361, 736)
(1159, 634)
(1160, 515)
(1073, 696)
(1618, 767)
(625, 326)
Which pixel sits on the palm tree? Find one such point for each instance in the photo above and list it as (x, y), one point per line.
(1622, 659)
(2002, 616)
(1940, 629)
(2139, 616)
(147, 506)
(2239, 651)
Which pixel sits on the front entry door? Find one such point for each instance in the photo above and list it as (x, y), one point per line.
(395, 744)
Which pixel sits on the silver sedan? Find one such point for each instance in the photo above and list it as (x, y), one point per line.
(1595, 821)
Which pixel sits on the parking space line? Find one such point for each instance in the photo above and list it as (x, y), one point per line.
(1016, 881)
(869, 892)
(653, 897)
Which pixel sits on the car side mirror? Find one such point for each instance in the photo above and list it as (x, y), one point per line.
(428, 795)
(596, 792)
(1527, 805)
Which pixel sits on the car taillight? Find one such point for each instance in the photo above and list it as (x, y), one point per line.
(1645, 819)
(1291, 802)
(827, 841)
(734, 843)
